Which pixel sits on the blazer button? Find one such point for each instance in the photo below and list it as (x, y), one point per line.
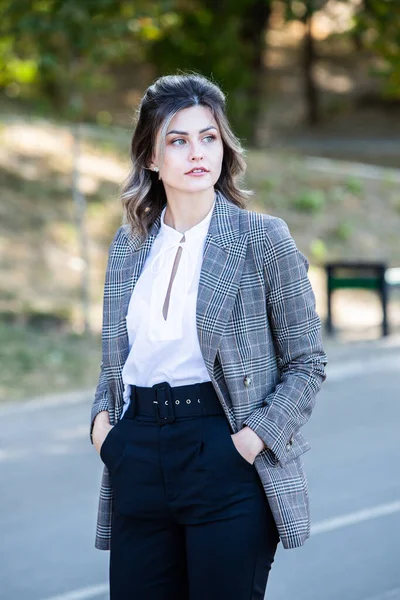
(247, 381)
(289, 444)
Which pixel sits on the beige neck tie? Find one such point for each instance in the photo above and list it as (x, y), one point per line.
(173, 273)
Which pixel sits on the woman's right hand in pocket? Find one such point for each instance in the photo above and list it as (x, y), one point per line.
(101, 429)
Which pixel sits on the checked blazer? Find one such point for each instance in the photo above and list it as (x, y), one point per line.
(260, 338)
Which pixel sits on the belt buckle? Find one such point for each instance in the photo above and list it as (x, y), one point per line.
(164, 397)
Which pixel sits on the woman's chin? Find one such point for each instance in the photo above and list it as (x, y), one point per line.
(192, 187)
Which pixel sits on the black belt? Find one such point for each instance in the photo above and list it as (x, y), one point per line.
(165, 403)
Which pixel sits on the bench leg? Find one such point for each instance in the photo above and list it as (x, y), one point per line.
(329, 324)
(384, 301)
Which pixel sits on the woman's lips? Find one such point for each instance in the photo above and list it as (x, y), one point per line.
(197, 173)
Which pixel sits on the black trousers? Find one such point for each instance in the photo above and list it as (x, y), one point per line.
(190, 517)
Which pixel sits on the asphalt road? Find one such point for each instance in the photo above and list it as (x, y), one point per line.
(49, 477)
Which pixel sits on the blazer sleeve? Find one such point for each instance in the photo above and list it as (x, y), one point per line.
(100, 401)
(296, 331)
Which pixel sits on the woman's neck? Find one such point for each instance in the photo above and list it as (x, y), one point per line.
(187, 210)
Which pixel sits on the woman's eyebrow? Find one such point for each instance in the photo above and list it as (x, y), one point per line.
(175, 131)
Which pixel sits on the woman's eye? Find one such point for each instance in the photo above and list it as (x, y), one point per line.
(180, 141)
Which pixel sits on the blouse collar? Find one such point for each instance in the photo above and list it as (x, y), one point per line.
(195, 232)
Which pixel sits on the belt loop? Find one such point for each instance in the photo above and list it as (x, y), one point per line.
(200, 400)
(170, 405)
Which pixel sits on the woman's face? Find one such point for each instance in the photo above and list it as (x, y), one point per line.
(193, 141)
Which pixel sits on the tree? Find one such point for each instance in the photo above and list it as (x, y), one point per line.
(304, 10)
(66, 44)
(378, 25)
(70, 43)
(253, 34)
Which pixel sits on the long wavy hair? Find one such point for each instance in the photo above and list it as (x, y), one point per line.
(143, 195)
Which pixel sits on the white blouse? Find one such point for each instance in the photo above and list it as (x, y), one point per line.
(166, 349)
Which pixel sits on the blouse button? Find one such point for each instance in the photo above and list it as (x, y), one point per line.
(247, 381)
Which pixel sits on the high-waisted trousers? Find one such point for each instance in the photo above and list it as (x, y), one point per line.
(190, 518)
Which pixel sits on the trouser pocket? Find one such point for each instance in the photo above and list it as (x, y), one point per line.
(112, 449)
(234, 450)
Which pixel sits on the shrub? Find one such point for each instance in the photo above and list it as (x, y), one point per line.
(311, 201)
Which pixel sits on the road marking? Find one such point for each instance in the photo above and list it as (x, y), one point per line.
(84, 593)
(355, 517)
(322, 527)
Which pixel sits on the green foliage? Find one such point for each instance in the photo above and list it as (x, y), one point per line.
(318, 250)
(56, 49)
(223, 41)
(270, 183)
(354, 185)
(344, 231)
(378, 23)
(310, 201)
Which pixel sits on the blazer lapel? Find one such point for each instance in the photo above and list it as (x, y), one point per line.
(133, 266)
(221, 271)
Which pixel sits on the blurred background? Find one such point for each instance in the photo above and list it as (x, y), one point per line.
(313, 91)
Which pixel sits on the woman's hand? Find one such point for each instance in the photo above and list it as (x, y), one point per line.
(248, 443)
(101, 427)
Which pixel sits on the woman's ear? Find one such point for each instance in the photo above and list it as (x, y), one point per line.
(153, 167)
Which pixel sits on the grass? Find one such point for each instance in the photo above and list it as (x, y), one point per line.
(351, 218)
(35, 362)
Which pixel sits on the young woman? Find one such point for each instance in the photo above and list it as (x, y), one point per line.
(212, 359)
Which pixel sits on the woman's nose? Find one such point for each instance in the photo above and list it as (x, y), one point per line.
(196, 153)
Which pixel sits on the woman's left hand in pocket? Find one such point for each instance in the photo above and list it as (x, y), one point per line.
(100, 432)
(248, 443)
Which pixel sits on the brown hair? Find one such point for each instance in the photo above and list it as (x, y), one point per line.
(143, 194)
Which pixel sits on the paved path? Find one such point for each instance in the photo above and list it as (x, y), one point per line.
(49, 477)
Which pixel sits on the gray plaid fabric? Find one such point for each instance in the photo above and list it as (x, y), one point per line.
(260, 338)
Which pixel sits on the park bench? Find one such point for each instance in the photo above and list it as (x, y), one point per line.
(375, 276)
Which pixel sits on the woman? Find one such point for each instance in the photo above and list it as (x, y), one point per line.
(212, 358)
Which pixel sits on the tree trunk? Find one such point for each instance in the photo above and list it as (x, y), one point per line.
(356, 34)
(309, 60)
(253, 32)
